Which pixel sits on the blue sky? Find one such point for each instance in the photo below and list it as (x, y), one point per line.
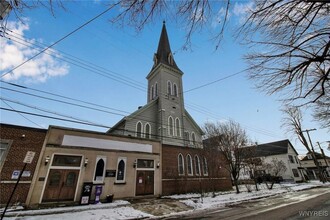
(126, 58)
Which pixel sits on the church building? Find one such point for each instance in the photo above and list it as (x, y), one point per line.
(164, 118)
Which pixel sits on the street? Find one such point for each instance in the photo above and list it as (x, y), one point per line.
(312, 204)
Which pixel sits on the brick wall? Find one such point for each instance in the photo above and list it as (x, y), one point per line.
(218, 178)
(22, 139)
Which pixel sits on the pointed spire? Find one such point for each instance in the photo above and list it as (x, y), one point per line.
(164, 54)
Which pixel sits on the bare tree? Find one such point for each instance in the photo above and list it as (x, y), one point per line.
(293, 121)
(293, 51)
(229, 138)
(275, 168)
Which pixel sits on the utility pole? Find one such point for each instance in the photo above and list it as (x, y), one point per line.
(325, 160)
(313, 154)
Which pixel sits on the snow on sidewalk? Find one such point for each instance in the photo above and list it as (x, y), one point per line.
(123, 210)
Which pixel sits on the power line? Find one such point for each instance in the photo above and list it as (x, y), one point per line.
(61, 39)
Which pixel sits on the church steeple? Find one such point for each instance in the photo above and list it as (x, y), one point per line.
(164, 54)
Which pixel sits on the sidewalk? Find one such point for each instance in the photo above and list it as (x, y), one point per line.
(156, 208)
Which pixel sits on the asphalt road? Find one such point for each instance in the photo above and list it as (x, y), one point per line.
(307, 204)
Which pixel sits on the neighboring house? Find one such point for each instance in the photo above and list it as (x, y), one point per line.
(165, 118)
(15, 142)
(282, 151)
(71, 158)
(307, 162)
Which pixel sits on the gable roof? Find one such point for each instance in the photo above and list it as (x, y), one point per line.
(273, 148)
(317, 155)
(132, 115)
(189, 118)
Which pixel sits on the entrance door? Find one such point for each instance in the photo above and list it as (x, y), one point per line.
(61, 185)
(144, 182)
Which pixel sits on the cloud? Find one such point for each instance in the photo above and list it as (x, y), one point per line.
(241, 10)
(19, 49)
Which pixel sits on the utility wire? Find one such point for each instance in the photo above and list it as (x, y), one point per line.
(61, 39)
(22, 115)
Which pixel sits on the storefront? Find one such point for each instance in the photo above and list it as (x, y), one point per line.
(121, 166)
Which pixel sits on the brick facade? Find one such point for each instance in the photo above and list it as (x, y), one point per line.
(217, 179)
(21, 139)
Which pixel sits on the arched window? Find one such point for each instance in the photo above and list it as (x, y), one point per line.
(186, 138)
(156, 89)
(170, 58)
(169, 88)
(170, 126)
(193, 138)
(189, 165)
(139, 129)
(100, 169)
(177, 127)
(175, 90)
(147, 131)
(152, 92)
(121, 170)
(205, 169)
(180, 164)
(197, 166)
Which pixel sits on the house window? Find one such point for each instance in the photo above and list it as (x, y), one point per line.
(193, 138)
(145, 164)
(100, 169)
(156, 89)
(175, 90)
(152, 95)
(147, 131)
(205, 168)
(139, 129)
(3, 150)
(295, 172)
(169, 88)
(186, 138)
(291, 159)
(309, 156)
(177, 127)
(170, 126)
(197, 166)
(189, 165)
(66, 161)
(180, 164)
(121, 170)
(296, 160)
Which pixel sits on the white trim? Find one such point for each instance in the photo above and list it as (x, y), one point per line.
(207, 168)
(176, 127)
(169, 126)
(191, 165)
(181, 174)
(136, 129)
(79, 141)
(199, 165)
(98, 158)
(125, 168)
(145, 130)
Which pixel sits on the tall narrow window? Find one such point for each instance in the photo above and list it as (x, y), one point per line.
(152, 95)
(205, 168)
(121, 170)
(193, 139)
(177, 127)
(147, 131)
(189, 165)
(139, 129)
(175, 89)
(170, 126)
(197, 166)
(100, 169)
(180, 164)
(186, 138)
(169, 88)
(4, 146)
(156, 89)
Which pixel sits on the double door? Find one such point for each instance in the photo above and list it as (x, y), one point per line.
(61, 185)
(144, 183)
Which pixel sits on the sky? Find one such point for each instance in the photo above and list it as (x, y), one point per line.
(100, 72)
